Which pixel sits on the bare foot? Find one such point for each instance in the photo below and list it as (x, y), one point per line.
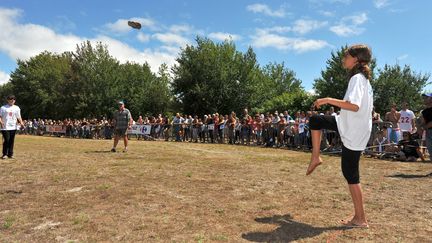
(355, 223)
(315, 161)
(352, 224)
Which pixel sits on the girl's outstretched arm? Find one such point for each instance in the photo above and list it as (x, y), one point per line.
(343, 104)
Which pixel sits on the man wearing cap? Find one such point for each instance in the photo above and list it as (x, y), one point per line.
(427, 121)
(9, 115)
(122, 120)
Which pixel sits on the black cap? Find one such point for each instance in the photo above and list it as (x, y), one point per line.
(11, 97)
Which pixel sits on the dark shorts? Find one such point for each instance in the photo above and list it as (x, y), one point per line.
(319, 122)
(350, 159)
(120, 132)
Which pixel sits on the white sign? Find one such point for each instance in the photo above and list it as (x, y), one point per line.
(140, 129)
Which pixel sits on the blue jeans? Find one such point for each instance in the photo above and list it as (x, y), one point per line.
(177, 133)
(394, 136)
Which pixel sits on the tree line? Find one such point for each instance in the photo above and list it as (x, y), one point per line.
(209, 77)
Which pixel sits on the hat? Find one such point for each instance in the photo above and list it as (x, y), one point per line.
(281, 115)
(121, 102)
(11, 97)
(427, 95)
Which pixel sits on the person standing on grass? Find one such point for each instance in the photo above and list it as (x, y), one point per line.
(9, 115)
(354, 125)
(393, 117)
(122, 121)
(407, 119)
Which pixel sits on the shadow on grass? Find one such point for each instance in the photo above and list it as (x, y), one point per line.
(408, 176)
(98, 152)
(289, 230)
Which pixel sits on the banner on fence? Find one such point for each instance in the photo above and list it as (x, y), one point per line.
(55, 128)
(140, 130)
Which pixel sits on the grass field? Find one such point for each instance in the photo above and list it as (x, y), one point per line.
(64, 190)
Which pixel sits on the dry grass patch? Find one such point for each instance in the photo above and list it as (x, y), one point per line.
(75, 190)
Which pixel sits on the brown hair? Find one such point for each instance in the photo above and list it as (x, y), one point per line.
(364, 57)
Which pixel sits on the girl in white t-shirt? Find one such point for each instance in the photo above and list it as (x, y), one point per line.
(9, 115)
(354, 125)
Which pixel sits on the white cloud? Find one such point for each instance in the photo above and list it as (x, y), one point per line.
(171, 38)
(346, 30)
(221, 36)
(143, 37)
(402, 57)
(4, 77)
(381, 3)
(121, 25)
(63, 23)
(350, 25)
(326, 2)
(341, 1)
(303, 26)
(181, 28)
(300, 45)
(326, 13)
(275, 29)
(22, 41)
(311, 92)
(356, 19)
(124, 52)
(265, 9)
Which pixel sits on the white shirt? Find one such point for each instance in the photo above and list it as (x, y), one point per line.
(9, 115)
(405, 121)
(302, 123)
(355, 127)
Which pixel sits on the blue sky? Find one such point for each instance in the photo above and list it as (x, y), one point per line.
(300, 33)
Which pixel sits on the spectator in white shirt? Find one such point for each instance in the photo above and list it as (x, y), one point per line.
(9, 115)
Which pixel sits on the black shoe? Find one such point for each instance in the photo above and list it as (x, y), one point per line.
(113, 150)
(11, 157)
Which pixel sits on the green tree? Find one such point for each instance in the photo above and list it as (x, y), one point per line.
(396, 84)
(39, 84)
(94, 84)
(289, 101)
(144, 92)
(214, 77)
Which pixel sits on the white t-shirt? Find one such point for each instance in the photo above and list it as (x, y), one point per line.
(405, 121)
(302, 123)
(355, 127)
(9, 115)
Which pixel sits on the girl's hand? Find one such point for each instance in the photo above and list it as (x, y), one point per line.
(319, 102)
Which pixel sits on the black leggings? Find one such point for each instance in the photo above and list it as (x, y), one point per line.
(8, 142)
(350, 158)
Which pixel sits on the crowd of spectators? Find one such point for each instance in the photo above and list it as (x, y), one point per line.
(398, 135)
